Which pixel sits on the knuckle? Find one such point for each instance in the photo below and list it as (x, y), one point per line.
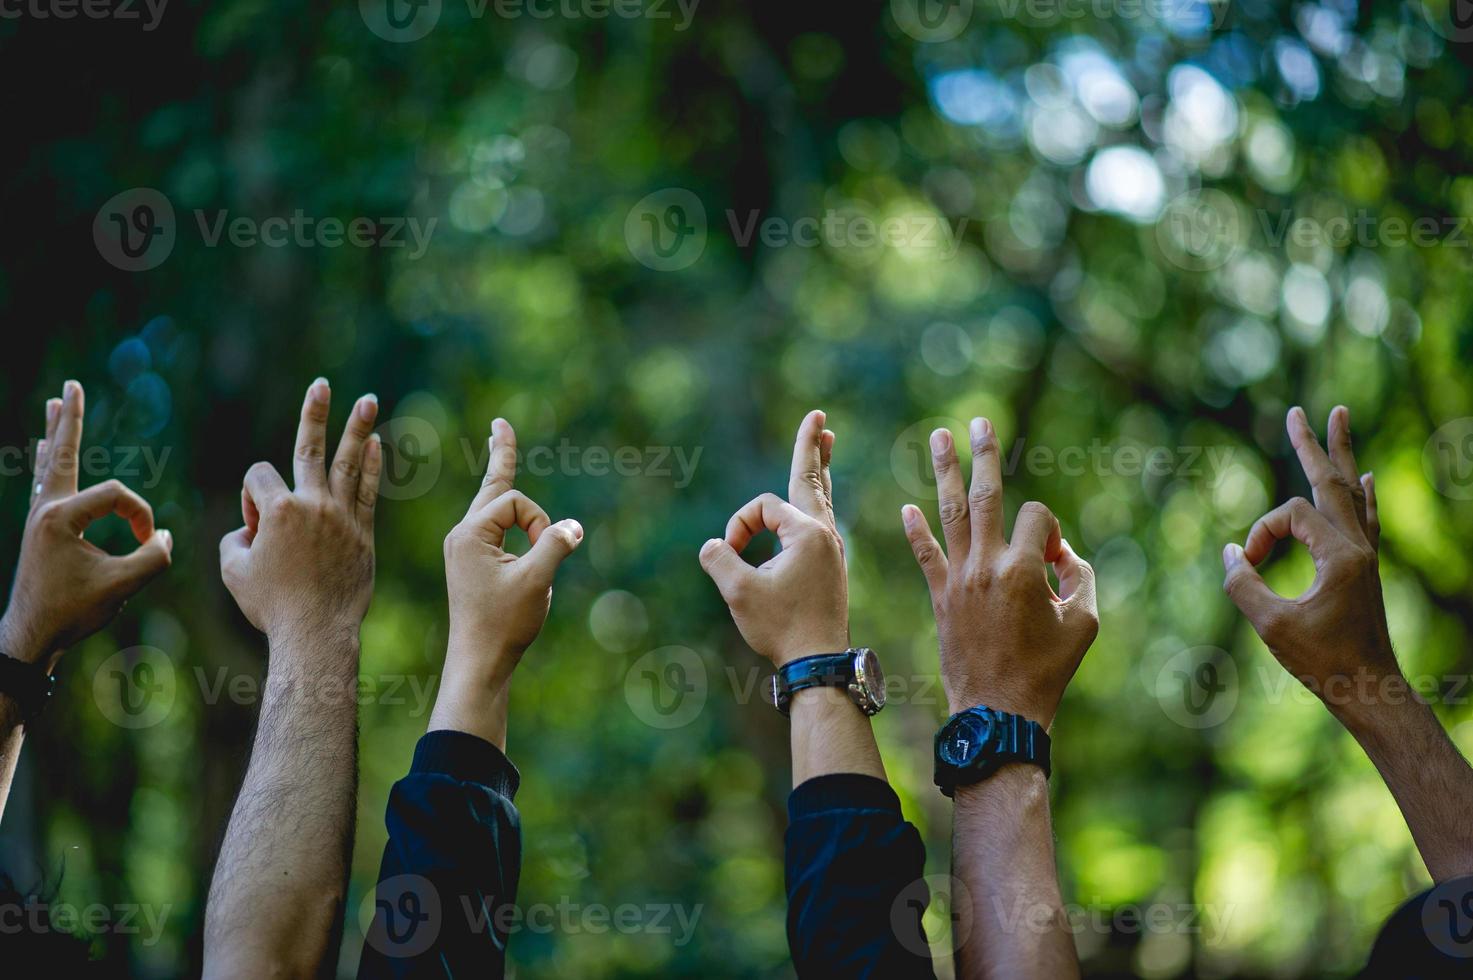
(953, 512)
(984, 493)
(309, 452)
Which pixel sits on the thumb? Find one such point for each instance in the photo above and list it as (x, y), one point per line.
(140, 566)
(725, 567)
(1249, 592)
(553, 545)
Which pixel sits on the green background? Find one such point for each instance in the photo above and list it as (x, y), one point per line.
(1070, 312)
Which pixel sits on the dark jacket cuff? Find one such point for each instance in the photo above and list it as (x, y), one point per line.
(841, 791)
(467, 758)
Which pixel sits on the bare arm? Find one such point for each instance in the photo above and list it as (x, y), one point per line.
(65, 587)
(301, 570)
(1009, 642)
(797, 604)
(1334, 638)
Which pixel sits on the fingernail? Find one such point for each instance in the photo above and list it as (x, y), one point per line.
(71, 388)
(940, 440)
(907, 514)
(53, 408)
(368, 407)
(575, 528)
(1231, 555)
(168, 537)
(979, 432)
(1298, 412)
(713, 543)
(320, 390)
(822, 416)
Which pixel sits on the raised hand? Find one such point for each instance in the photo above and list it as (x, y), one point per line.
(498, 600)
(796, 603)
(1007, 639)
(1333, 637)
(66, 588)
(304, 558)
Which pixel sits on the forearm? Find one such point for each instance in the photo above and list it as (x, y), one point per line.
(277, 897)
(831, 735)
(474, 693)
(1430, 780)
(11, 737)
(1003, 856)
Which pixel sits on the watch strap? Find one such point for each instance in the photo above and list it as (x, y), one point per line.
(819, 670)
(28, 685)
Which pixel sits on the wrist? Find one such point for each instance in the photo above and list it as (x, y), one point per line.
(808, 643)
(480, 662)
(962, 697)
(315, 642)
(22, 641)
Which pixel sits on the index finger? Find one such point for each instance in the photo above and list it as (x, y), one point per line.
(501, 464)
(765, 512)
(1294, 518)
(511, 509)
(308, 469)
(112, 497)
(1331, 492)
(65, 448)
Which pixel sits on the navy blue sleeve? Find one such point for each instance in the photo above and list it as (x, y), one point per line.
(856, 888)
(1428, 938)
(448, 879)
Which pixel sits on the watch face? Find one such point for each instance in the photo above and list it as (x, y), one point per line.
(869, 677)
(964, 739)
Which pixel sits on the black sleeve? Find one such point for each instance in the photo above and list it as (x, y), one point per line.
(448, 880)
(1429, 937)
(856, 888)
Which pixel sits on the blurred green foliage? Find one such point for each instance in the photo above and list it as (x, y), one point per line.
(1093, 294)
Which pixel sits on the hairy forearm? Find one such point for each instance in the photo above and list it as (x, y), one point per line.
(1003, 856)
(831, 735)
(1430, 780)
(276, 902)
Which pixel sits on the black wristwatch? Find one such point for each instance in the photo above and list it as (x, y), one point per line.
(976, 743)
(856, 670)
(28, 685)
